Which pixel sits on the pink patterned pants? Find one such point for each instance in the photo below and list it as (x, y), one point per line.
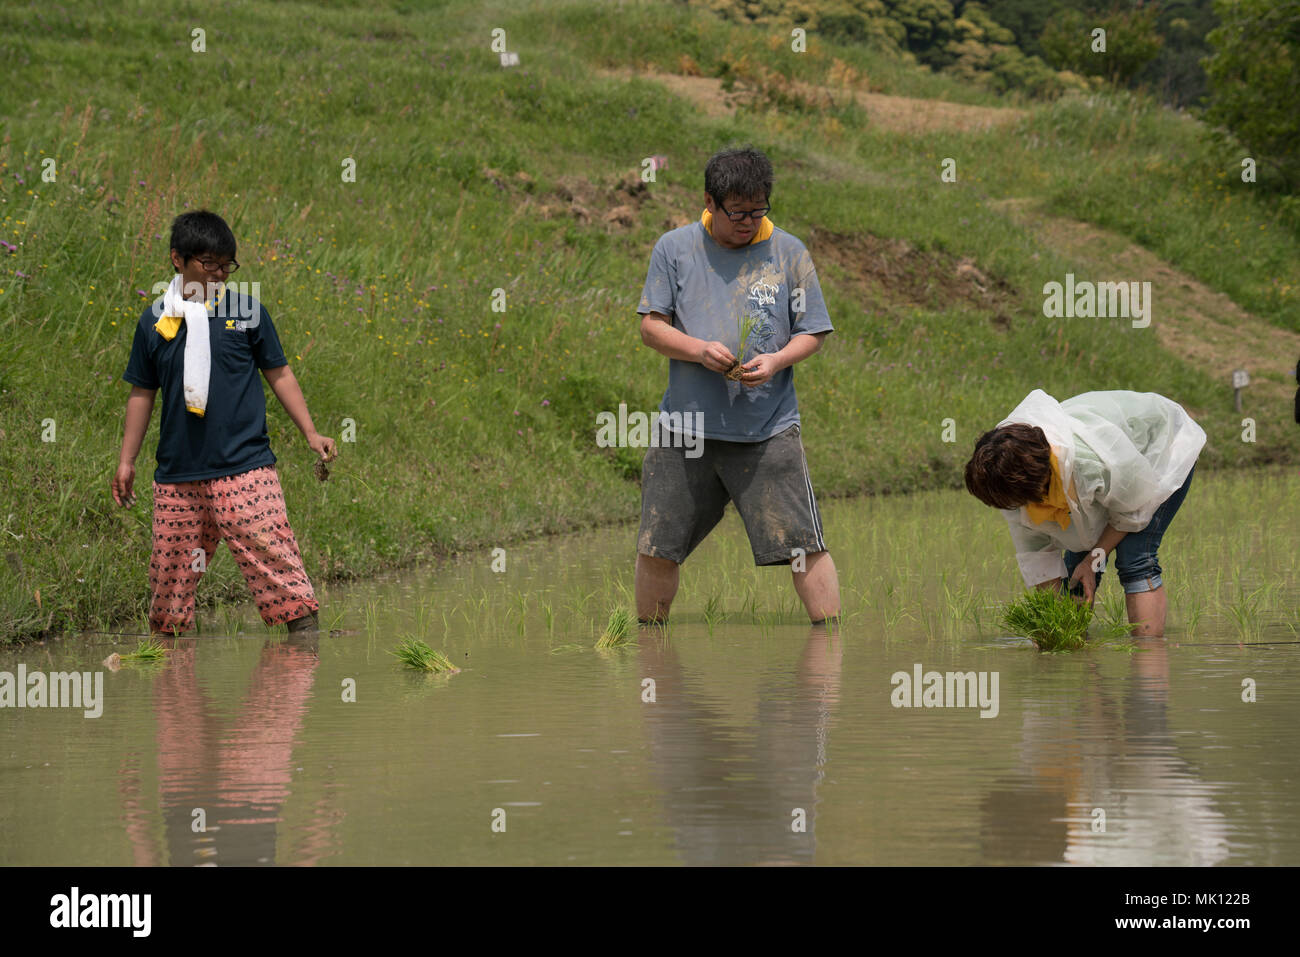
(246, 511)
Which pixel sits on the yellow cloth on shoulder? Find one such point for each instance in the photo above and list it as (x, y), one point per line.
(1056, 507)
(168, 326)
(764, 228)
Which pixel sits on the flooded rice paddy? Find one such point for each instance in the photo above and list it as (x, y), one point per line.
(742, 736)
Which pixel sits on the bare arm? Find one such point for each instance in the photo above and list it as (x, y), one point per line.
(798, 348)
(1109, 539)
(1083, 572)
(767, 364)
(285, 386)
(658, 332)
(139, 408)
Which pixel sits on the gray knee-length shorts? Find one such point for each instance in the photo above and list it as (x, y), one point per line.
(682, 499)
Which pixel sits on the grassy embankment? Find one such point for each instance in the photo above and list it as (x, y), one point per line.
(474, 427)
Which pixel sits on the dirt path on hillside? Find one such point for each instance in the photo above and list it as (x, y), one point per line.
(894, 113)
(1193, 322)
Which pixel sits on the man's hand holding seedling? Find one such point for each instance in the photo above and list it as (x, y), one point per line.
(323, 446)
(767, 364)
(760, 368)
(1085, 576)
(715, 356)
(1086, 571)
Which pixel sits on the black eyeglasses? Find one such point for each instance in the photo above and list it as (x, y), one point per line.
(211, 265)
(739, 215)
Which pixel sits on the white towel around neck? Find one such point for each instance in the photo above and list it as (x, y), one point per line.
(198, 350)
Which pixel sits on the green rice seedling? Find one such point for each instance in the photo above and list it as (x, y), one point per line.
(147, 650)
(1052, 621)
(959, 603)
(578, 605)
(895, 614)
(1114, 626)
(619, 629)
(229, 621)
(519, 600)
(975, 615)
(519, 608)
(548, 613)
(1244, 612)
(744, 326)
(372, 618)
(713, 613)
(415, 654)
(625, 593)
(1113, 604)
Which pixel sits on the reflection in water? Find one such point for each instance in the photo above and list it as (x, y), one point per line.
(731, 798)
(1106, 785)
(737, 739)
(237, 772)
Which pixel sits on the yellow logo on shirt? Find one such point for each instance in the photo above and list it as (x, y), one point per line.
(230, 323)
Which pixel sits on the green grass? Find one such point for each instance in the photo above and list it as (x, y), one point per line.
(417, 655)
(381, 289)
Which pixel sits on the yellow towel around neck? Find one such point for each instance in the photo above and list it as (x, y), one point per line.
(1056, 507)
(764, 228)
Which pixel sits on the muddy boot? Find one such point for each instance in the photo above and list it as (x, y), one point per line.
(305, 623)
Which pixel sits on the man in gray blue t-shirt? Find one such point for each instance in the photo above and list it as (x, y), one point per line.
(732, 275)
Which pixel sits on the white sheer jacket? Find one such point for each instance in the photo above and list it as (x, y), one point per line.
(1122, 454)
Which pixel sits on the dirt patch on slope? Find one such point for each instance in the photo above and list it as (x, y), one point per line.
(1193, 322)
(618, 205)
(902, 114)
(898, 275)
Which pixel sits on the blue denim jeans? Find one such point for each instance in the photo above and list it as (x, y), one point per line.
(1135, 555)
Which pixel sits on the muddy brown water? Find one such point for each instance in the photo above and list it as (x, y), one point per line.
(749, 738)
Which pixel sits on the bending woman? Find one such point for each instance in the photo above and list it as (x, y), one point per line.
(1103, 470)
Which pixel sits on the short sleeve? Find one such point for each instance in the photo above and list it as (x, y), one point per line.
(808, 313)
(140, 370)
(267, 352)
(660, 292)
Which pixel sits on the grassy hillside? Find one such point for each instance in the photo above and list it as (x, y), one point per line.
(476, 427)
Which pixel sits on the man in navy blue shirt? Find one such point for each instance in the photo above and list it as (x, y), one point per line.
(215, 479)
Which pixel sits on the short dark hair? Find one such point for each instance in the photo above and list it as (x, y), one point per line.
(1011, 466)
(738, 171)
(200, 233)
